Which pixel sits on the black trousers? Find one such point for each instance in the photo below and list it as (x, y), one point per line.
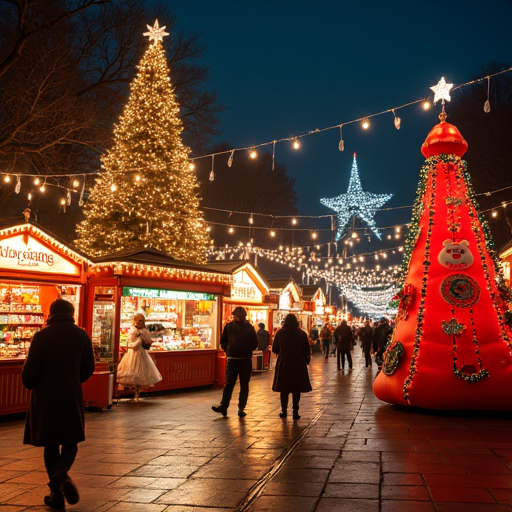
(295, 400)
(340, 357)
(237, 368)
(58, 462)
(367, 356)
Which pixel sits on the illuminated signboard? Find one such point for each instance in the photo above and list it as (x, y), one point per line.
(244, 288)
(154, 293)
(25, 252)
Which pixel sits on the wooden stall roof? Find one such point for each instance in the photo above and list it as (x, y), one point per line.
(233, 266)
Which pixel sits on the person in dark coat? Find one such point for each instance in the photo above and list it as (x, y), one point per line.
(380, 339)
(263, 343)
(291, 345)
(366, 336)
(344, 337)
(60, 358)
(238, 340)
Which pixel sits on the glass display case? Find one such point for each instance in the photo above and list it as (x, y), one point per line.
(178, 320)
(103, 320)
(22, 307)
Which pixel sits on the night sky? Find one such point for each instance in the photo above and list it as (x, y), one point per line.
(284, 68)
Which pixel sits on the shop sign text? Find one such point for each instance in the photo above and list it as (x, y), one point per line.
(154, 293)
(26, 253)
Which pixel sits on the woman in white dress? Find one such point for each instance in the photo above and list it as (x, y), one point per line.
(137, 369)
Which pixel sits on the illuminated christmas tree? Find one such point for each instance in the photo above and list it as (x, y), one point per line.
(147, 194)
(451, 347)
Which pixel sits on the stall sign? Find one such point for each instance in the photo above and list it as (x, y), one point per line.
(154, 293)
(244, 289)
(24, 252)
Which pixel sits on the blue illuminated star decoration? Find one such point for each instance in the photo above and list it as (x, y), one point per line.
(356, 203)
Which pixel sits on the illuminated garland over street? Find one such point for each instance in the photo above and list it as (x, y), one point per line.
(370, 290)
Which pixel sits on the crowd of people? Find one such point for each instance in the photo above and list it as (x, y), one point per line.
(339, 342)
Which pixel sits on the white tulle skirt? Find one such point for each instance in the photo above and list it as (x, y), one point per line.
(137, 369)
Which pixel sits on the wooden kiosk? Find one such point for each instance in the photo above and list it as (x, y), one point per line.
(35, 269)
(181, 300)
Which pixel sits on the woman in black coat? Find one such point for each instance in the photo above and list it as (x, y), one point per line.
(60, 358)
(291, 373)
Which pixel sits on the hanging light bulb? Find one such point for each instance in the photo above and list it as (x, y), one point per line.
(494, 213)
(29, 196)
(81, 200)
(208, 229)
(212, 172)
(366, 123)
(137, 178)
(231, 230)
(63, 202)
(253, 154)
(37, 181)
(294, 221)
(43, 186)
(354, 234)
(314, 235)
(251, 220)
(341, 145)
(487, 104)
(272, 233)
(426, 104)
(17, 188)
(230, 159)
(7, 178)
(191, 166)
(296, 144)
(76, 183)
(398, 121)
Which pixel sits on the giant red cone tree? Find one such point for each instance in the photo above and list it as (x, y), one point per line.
(451, 347)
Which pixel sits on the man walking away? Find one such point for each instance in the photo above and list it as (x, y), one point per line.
(366, 336)
(343, 335)
(263, 343)
(60, 358)
(325, 337)
(238, 340)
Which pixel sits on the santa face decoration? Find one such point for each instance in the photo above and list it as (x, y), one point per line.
(455, 254)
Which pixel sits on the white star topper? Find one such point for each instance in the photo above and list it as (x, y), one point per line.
(155, 32)
(442, 91)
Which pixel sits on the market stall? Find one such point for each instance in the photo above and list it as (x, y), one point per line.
(289, 301)
(35, 269)
(181, 302)
(249, 290)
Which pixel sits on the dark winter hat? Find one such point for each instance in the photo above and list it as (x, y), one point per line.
(61, 306)
(261, 326)
(239, 311)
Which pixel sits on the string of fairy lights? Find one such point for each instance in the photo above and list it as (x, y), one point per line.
(369, 289)
(74, 183)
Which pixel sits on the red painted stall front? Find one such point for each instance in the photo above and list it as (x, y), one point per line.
(35, 269)
(181, 302)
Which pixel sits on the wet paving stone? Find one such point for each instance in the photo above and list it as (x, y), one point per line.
(348, 452)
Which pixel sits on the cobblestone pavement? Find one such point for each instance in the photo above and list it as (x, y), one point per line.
(348, 452)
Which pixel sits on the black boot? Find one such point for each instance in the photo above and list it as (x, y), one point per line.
(220, 409)
(68, 488)
(54, 500)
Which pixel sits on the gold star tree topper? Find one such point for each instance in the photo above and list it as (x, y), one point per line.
(156, 32)
(442, 91)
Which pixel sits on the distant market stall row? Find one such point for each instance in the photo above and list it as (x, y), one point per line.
(187, 304)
